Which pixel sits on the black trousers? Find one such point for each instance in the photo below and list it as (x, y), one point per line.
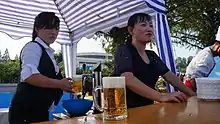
(21, 114)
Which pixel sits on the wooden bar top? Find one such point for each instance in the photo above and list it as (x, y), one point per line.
(194, 111)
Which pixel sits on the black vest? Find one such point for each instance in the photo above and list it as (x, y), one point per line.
(37, 97)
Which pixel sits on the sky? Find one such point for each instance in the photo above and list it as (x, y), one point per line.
(84, 45)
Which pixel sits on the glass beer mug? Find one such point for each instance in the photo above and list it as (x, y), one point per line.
(76, 83)
(114, 98)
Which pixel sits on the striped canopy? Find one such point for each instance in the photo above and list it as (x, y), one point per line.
(82, 18)
(79, 18)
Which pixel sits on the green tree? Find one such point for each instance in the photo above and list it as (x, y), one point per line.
(181, 64)
(14, 71)
(108, 68)
(193, 23)
(9, 72)
(16, 57)
(6, 56)
(79, 71)
(61, 65)
(58, 57)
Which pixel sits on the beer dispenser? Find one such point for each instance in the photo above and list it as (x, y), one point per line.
(97, 81)
(88, 85)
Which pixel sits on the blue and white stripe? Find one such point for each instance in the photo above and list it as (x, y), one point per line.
(164, 43)
(157, 5)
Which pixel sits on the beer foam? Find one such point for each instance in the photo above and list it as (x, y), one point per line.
(113, 82)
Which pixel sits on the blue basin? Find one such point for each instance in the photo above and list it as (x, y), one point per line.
(77, 107)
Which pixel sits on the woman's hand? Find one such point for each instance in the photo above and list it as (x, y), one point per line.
(171, 78)
(65, 84)
(174, 97)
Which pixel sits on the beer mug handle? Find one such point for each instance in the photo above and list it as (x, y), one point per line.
(95, 100)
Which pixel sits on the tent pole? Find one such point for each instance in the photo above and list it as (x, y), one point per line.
(73, 54)
(74, 57)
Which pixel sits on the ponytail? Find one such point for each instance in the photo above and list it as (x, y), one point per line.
(34, 34)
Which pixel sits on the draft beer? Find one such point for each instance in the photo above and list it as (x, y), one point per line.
(76, 83)
(114, 98)
(76, 86)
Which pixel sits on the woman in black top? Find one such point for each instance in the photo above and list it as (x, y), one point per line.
(41, 82)
(142, 68)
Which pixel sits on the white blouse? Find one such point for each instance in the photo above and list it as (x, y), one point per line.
(30, 58)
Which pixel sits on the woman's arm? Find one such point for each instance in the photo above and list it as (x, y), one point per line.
(140, 88)
(169, 76)
(176, 82)
(143, 90)
(43, 81)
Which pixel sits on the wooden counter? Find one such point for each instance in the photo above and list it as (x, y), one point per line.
(193, 112)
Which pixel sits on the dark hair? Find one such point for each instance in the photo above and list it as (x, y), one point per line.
(45, 20)
(135, 19)
(138, 18)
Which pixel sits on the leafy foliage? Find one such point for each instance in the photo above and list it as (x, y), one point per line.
(112, 39)
(193, 23)
(10, 69)
(5, 56)
(9, 72)
(181, 64)
(109, 68)
(16, 57)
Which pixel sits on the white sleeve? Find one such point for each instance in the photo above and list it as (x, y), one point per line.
(30, 58)
(203, 66)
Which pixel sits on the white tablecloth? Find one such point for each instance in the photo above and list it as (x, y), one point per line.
(4, 116)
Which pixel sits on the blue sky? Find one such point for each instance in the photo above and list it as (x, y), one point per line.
(85, 45)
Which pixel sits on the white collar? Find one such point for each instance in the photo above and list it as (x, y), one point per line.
(37, 39)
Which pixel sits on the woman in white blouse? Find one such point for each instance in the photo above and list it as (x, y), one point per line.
(41, 82)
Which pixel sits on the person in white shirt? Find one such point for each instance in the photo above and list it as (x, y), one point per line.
(41, 83)
(203, 63)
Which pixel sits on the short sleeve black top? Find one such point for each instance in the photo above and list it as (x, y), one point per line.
(127, 59)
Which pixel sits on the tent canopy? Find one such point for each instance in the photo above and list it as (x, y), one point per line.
(82, 18)
(79, 18)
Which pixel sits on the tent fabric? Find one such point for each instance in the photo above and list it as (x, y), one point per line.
(164, 43)
(17, 17)
(82, 18)
(79, 18)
